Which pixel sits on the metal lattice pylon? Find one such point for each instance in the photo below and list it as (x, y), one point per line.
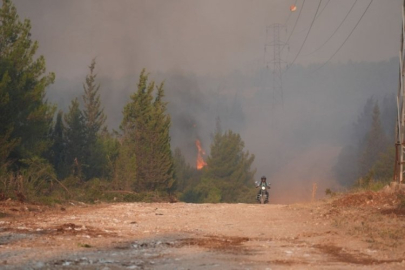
(276, 62)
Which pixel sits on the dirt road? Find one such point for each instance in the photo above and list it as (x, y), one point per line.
(192, 236)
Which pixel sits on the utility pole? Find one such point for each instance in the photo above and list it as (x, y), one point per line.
(275, 62)
(400, 125)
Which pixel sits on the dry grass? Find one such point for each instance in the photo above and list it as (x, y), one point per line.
(375, 217)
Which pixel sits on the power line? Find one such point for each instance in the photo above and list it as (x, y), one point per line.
(346, 38)
(323, 8)
(277, 74)
(317, 16)
(303, 43)
(299, 14)
(277, 62)
(341, 23)
(290, 13)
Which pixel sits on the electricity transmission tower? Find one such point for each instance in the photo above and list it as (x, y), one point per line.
(400, 125)
(276, 62)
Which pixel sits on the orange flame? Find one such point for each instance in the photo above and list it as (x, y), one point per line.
(293, 7)
(200, 160)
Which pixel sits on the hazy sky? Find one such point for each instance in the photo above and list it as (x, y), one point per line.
(183, 41)
(201, 36)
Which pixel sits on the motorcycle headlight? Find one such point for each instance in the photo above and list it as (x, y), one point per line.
(263, 188)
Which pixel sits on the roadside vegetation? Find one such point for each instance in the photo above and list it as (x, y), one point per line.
(367, 161)
(51, 156)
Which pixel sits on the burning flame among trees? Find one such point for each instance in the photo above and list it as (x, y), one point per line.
(200, 160)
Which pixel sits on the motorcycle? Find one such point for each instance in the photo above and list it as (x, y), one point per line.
(262, 197)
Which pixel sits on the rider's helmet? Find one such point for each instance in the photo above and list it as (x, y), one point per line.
(263, 178)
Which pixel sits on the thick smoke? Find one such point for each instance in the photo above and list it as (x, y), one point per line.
(202, 36)
(209, 53)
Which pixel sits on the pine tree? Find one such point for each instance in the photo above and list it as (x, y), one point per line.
(146, 125)
(75, 139)
(375, 143)
(384, 166)
(161, 151)
(110, 145)
(94, 119)
(93, 113)
(229, 167)
(25, 116)
(136, 127)
(125, 167)
(57, 151)
(182, 170)
(346, 168)
(389, 116)
(364, 121)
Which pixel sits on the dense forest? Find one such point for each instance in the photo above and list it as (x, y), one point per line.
(50, 156)
(65, 139)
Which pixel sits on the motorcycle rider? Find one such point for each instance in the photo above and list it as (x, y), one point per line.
(263, 183)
